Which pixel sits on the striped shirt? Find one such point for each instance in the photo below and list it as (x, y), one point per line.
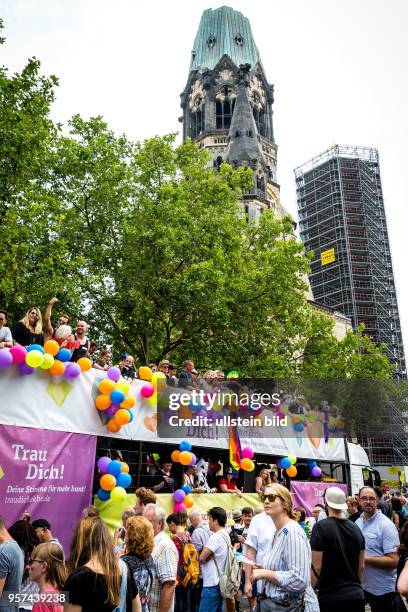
(289, 555)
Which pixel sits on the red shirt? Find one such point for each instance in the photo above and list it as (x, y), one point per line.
(231, 485)
(179, 540)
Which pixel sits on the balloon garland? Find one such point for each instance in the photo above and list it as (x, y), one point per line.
(115, 479)
(182, 498)
(50, 357)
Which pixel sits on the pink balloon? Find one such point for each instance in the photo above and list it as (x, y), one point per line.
(18, 353)
(147, 390)
(247, 453)
(179, 507)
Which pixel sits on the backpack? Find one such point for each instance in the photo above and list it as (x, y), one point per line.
(189, 571)
(231, 578)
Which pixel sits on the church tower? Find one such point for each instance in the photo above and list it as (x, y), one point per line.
(227, 104)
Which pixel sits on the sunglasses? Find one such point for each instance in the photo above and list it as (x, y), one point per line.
(271, 497)
(31, 561)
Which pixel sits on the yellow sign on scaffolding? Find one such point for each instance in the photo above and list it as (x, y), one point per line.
(327, 257)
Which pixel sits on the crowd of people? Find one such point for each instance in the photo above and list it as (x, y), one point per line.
(348, 555)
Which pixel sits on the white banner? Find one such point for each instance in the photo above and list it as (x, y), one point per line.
(42, 402)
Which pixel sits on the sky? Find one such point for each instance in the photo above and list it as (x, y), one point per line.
(339, 68)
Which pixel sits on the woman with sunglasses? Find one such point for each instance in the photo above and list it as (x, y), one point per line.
(47, 569)
(287, 562)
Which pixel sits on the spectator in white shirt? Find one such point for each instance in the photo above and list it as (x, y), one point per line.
(6, 340)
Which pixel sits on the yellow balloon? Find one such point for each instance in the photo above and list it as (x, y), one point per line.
(48, 362)
(123, 385)
(145, 373)
(34, 358)
(152, 401)
(159, 381)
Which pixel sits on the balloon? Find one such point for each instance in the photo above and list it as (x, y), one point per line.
(159, 381)
(103, 402)
(103, 463)
(179, 507)
(48, 362)
(179, 496)
(247, 453)
(106, 386)
(128, 402)
(103, 495)
(124, 480)
(63, 355)
(296, 418)
(122, 416)
(185, 445)
(123, 385)
(186, 489)
(125, 468)
(175, 456)
(132, 416)
(115, 468)
(6, 358)
(34, 358)
(291, 471)
(25, 369)
(193, 459)
(18, 353)
(311, 463)
(118, 495)
(285, 462)
(145, 373)
(85, 364)
(316, 471)
(281, 416)
(35, 347)
(185, 458)
(299, 427)
(147, 390)
(189, 501)
(112, 410)
(114, 373)
(113, 426)
(57, 368)
(117, 397)
(72, 370)
(108, 482)
(247, 465)
(292, 459)
(51, 347)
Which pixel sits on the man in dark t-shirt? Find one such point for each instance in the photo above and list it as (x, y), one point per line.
(338, 557)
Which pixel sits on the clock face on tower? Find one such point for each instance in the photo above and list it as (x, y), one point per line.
(256, 92)
(196, 96)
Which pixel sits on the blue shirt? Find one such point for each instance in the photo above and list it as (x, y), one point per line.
(381, 538)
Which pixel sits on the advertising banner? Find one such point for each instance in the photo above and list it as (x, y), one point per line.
(307, 494)
(48, 474)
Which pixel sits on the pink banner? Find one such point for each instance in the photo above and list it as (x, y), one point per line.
(49, 474)
(307, 494)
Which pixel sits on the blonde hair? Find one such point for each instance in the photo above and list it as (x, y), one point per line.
(53, 556)
(63, 332)
(352, 501)
(139, 537)
(285, 496)
(268, 480)
(38, 326)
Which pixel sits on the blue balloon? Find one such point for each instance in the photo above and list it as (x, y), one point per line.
(35, 347)
(103, 495)
(63, 355)
(311, 463)
(298, 427)
(117, 396)
(185, 446)
(132, 416)
(285, 462)
(186, 489)
(124, 480)
(115, 468)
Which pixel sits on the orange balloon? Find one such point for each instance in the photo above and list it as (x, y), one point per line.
(113, 426)
(188, 501)
(175, 456)
(122, 416)
(125, 468)
(291, 471)
(247, 465)
(108, 482)
(128, 402)
(145, 373)
(106, 386)
(51, 347)
(85, 364)
(57, 368)
(103, 402)
(184, 412)
(185, 457)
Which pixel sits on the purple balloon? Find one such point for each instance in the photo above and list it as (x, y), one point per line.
(179, 496)
(193, 460)
(112, 410)
(316, 472)
(26, 369)
(103, 464)
(114, 373)
(72, 370)
(6, 358)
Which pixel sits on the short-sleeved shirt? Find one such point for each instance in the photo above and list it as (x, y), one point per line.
(5, 334)
(179, 539)
(185, 379)
(24, 336)
(89, 590)
(259, 537)
(341, 543)
(11, 568)
(49, 606)
(381, 538)
(231, 485)
(219, 548)
(165, 559)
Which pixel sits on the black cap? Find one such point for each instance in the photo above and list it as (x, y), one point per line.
(43, 523)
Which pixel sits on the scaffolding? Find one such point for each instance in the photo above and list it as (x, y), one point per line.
(340, 207)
